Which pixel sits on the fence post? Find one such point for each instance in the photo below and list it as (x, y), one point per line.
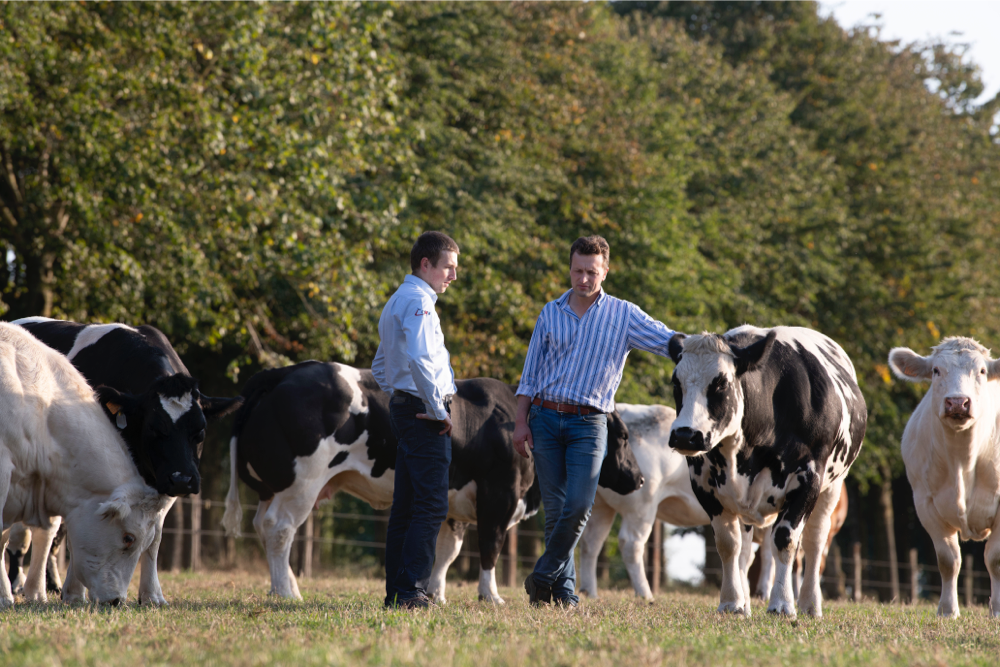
(914, 577)
(512, 557)
(307, 548)
(969, 565)
(657, 554)
(178, 554)
(838, 564)
(195, 532)
(857, 571)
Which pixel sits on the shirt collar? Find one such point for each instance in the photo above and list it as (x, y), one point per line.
(563, 301)
(420, 284)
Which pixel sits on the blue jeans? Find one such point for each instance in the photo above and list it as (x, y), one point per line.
(568, 450)
(419, 498)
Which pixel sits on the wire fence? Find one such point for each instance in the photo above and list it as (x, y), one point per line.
(193, 527)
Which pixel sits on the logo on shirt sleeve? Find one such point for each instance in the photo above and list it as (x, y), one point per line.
(422, 312)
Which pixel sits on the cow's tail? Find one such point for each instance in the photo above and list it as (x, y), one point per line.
(233, 518)
(533, 499)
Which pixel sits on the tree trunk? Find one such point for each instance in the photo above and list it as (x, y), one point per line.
(890, 534)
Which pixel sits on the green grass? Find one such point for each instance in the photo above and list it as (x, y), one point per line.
(226, 618)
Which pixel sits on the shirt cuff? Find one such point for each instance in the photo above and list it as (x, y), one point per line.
(525, 390)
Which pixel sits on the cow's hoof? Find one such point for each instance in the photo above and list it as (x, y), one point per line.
(782, 609)
(945, 612)
(287, 595)
(494, 599)
(73, 598)
(732, 608)
(35, 596)
(6, 604)
(155, 600)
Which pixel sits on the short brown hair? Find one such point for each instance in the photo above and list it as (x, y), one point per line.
(591, 245)
(431, 245)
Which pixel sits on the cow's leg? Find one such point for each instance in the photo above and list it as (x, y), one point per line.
(728, 540)
(73, 589)
(797, 573)
(258, 521)
(286, 512)
(149, 583)
(495, 504)
(632, 539)
(449, 544)
(18, 541)
(746, 559)
(993, 566)
(949, 556)
(813, 542)
(53, 578)
(766, 555)
(6, 470)
(41, 542)
(602, 516)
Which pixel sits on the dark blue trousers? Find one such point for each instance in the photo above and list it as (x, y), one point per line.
(419, 498)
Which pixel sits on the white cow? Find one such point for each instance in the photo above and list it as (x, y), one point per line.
(951, 448)
(666, 496)
(60, 456)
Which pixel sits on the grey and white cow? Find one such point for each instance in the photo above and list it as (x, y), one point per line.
(951, 449)
(666, 495)
(60, 456)
(771, 421)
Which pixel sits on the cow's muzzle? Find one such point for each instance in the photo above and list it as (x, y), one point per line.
(687, 440)
(181, 484)
(957, 407)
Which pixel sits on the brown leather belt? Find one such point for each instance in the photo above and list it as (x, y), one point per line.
(566, 408)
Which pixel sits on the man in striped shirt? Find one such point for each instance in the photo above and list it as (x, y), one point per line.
(573, 368)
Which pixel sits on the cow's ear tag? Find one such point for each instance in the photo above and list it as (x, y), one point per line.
(120, 421)
(113, 408)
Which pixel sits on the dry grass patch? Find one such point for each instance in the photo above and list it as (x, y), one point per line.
(226, 618)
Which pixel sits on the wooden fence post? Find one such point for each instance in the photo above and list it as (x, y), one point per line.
(838, 564)
(890, 534)
(512, 557)
(195, 532)
(657, 554)
(857, 571)
(307, 548)
(914, 577)
(970, 563)
(178, 554)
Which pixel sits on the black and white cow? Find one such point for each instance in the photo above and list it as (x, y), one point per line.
(147, 392)
(771, 421)
(310, 430)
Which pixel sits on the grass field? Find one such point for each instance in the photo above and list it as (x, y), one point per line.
(226, 618)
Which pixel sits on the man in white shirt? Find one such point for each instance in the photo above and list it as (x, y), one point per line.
(413, 365)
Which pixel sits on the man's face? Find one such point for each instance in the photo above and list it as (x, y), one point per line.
(586, 273)
(440, 276)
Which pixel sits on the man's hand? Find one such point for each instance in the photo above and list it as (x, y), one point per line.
(446, 421)
(522, 437)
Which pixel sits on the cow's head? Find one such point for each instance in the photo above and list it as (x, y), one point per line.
(707, 389)
(958, 370)
(620, 471)
(106, 536)
(165, 429)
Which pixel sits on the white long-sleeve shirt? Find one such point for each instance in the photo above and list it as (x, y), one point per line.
(411, 354)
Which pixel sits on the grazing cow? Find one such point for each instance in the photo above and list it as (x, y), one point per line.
(310, 430)
(148, 393)
(60, 456)
(771, 420)
(666, 495)
(951, 449)
(766, 579)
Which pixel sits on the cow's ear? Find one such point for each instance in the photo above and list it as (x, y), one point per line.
(676, 346)
(993, 369)
(749, 357)
(908, 365)
(116, 506)
(216, 408)
(117, 403)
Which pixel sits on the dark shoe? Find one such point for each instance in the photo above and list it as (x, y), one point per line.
(565, 603)
(537, 594)
(418, 602)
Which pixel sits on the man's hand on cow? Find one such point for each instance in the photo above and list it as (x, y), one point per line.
(522, 438)
(446, 421)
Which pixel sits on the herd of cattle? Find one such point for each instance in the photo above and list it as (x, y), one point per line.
(768, 423)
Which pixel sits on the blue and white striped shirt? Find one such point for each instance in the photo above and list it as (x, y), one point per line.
(581, 359)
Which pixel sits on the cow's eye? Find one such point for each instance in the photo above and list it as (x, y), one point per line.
(982, 371)
(199, 436)
(936, 371)
(128, 539)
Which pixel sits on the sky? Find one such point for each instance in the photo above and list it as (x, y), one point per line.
(975, 22)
